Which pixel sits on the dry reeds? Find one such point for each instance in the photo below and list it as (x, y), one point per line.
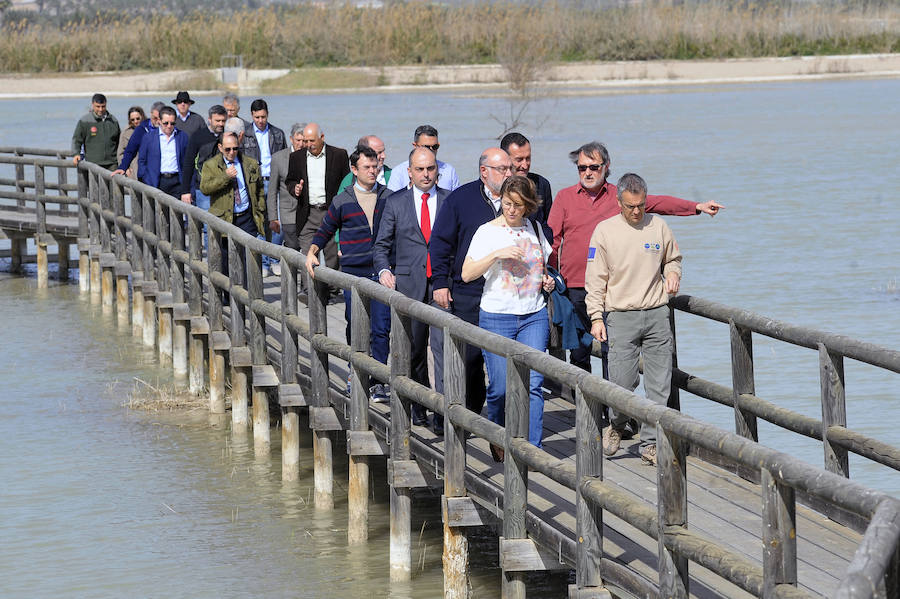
(423, 33)
(158, 398)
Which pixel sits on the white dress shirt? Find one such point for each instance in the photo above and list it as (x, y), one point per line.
(315, 178)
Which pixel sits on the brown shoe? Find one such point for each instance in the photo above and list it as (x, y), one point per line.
(498, 453)
(648, 455)
(612, 438)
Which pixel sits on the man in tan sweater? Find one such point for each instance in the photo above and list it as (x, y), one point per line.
(633, 266)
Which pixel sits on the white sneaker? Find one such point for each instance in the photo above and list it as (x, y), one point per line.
(275, 269)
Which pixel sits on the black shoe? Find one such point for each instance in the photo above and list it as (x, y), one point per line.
(437, 425)
(419, 415)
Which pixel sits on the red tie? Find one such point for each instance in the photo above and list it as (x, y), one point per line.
(426, 231)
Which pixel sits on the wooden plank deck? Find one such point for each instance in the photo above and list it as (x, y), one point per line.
(721, 506)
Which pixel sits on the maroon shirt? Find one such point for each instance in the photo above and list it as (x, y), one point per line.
(574, 216)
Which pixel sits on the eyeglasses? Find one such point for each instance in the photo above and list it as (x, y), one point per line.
(512, 206)
(594, 167)
(500, 169)
(433, 147)
(226, 150)
(167, 123)
(136, 119)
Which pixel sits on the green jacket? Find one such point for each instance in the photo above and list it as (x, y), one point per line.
(216, 183)
(100, 138)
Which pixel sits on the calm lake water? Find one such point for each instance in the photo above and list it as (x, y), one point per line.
(113, 501)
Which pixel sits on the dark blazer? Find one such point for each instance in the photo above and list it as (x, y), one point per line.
(400, 241)
(149, 156)
(337, 165)
(190, 165)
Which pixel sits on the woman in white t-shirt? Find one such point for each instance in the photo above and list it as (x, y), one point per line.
(511, 253)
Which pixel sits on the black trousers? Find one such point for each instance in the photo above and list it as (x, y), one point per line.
(170, 185)
(244, 221)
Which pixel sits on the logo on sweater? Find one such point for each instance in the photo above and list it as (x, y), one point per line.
(93, 130)
(591, 253)
(652, 248)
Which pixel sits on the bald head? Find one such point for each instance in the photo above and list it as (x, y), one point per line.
(314, 139)
(494, 167)
(422, 168)
(371, 141)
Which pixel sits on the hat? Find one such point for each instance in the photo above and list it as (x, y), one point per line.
(183, 97)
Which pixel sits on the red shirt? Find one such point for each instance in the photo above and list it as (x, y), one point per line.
(574, 215)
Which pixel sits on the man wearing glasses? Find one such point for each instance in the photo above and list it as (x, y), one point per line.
(578, 209)
(134, 143)
(464, 210)
(234, 185)
(161, 153)
(425, 136)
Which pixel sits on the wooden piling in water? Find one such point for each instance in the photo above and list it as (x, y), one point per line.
(40, 241)
(199, 325)
(515, 481)
(180, 312)
(358, 489)
(401, 457)
(149, 284)
(219, 341)
(42, 268)
(289, 392)
(321, 416)
(264, 377)
(84, 241)
(456, 544)
(239, 354)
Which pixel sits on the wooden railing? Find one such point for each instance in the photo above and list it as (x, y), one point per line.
(176, 303)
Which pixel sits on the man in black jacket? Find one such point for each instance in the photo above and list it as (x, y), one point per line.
(193, 160)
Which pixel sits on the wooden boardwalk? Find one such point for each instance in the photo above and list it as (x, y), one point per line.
(685, 524)
(721, 505)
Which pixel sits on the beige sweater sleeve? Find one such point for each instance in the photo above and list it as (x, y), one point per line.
(596, 276)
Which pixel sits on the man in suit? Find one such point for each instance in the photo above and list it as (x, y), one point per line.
(193, 160)
(281, 205)
(426, 136)
(313, 177)
(161, 153)
(403, 262)
(467, 208)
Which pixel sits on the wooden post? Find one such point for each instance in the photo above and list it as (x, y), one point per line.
(164, 283)
(779, 535)
(671, 486)
(323, 477)
(456, 543)
(149, 280)
(84, 241)
(742, 379)
(122, 267)
(257, 343)
(137, 264)
(239, 375)
(214, 310)
(40, 243)
(62, 260)
(674, 393)
(62, 257)
(834, 409)
(94, 219)
(401, 498)
(588, 517)
(199, 338)
(20, 181)
(515, 472)
(290, 415)
(17, 250)
(107, 258)
(358, 489)
(180, 316)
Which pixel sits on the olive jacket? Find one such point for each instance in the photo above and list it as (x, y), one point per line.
(216, 183)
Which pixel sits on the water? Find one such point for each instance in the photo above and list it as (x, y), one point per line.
(807, 172)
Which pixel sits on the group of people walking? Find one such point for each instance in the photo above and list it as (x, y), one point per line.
(491, 251)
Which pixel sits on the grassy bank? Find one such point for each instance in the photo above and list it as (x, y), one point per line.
(420, 33)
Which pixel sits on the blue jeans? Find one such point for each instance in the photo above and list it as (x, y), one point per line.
(380, 316)
(532, 330)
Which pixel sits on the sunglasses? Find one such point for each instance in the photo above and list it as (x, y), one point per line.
(593, 167)
(229, 149)
(433, 148)
(167, 123)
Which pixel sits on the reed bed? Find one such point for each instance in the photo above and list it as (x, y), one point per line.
(424, 33)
